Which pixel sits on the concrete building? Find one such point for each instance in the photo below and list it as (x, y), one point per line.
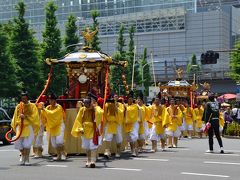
(172, 30)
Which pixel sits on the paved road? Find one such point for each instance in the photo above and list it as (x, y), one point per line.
(187, 162)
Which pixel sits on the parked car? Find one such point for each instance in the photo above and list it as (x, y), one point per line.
(5, 126)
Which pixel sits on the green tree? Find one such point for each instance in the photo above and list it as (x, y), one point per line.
(193, 67)
(71, 36)
(130, 58)
(24, 50)
(121, 43)
(95, 42)
(51, 48)
(120, 55)
(145, 72)
(235, 63)
(9, 85)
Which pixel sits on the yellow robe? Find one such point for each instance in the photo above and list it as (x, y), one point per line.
(141, 118)
(84, 122)
(221, 119)
(121, 109)
(172, 123)
(158, 113)
(53, 117)
(198, 112)
(113, 117)
(148, 116)
(31, 118)
(131, 117)
(188, 115)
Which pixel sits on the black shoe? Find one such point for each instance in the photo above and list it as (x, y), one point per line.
(92, 165)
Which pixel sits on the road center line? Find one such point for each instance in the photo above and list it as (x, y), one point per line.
(183, 149)
(224, 163)
(123, 169)
(149, 159)
(230, 150)
(222, 154)
(63, 166)
(8, 150)
(200, 174)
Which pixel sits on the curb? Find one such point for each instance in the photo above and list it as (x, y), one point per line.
(231, 137)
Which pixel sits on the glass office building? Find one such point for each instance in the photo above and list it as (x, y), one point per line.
(171, 29)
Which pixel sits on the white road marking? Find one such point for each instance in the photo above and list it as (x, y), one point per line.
(222, 154)
(123, 169)
(8, 150)
(200, 174)
(63, 166)
(224, 163)
(149, 159)
(182, 149)
(230, 150)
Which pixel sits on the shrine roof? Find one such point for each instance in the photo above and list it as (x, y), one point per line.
(82, 56)
(177, 83)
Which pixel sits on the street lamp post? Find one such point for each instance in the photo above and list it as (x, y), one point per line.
(194, 74)
(119, 88)
(134, 60)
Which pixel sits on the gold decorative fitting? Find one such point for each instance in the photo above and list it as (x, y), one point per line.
(88, 35)
(51, 61)
(179, 72)
(82, 56)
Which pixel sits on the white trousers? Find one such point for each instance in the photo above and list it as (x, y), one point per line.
(58, 140)
(154, 136)
(186, 127)
(25, 142)
(118, 136)
(89, 145)
(176, 133)
(39, 139)
(133, 135)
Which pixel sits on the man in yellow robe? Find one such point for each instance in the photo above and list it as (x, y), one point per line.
(158, 130)
(27, 113)
(173, 119)
(131, 125)
(53, 117)
(114, 114)
(83, 126)
(143, 125)
(188, 116)
(198, 119)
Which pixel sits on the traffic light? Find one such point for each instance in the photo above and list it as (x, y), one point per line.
(210, 57)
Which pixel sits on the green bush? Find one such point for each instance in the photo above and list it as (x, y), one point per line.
(233, 129)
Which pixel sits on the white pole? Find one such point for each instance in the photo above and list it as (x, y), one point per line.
(194, 78)
(154, 78)
(195, 6)
(134, 59)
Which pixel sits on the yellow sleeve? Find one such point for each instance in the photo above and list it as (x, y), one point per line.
(132, 114)
(54, 117)
(16, 119)
(148, 113)
(221, 119)
(179, 117)
(77, 126)
(120, 113)
(98, 115)
(194, 114)
(34, 119)
(166, 118)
